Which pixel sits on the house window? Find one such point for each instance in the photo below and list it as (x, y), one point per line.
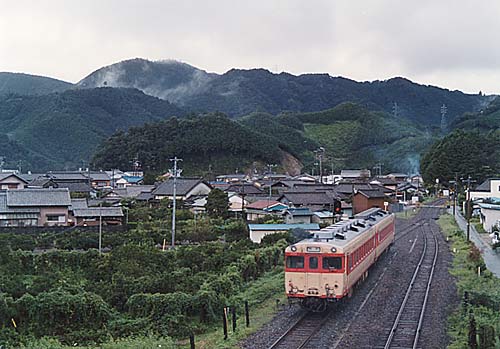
(56, 218)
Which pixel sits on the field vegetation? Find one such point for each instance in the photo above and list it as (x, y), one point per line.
(56, 289)
(477, 320)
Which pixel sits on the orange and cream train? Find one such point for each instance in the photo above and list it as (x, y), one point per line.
(326, 267)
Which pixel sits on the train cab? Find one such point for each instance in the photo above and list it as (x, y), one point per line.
(325, 267)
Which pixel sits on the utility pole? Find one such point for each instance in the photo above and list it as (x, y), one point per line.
(455, 191)
(468, 208)
(270, 171)
(319, 154)
(2, 163)
(100, 228)
(175, 160)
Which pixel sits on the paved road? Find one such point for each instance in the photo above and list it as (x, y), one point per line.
(491, 258)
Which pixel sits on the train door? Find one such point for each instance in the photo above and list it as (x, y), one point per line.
(313, 276)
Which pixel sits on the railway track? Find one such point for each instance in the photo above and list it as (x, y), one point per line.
(299, 334)
(406, 328)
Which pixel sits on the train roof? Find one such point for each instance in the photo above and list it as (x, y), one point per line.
(342, 233)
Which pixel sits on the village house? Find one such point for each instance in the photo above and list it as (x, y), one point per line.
(12, 181)
(185, 188)
(294, 215)
(490, 188)
(490, 214)
(126, 181)
(263, 208)
(258, 231)
(365, 199)
(76, 182)
(232, 178)
(323, 217)
(34, 207)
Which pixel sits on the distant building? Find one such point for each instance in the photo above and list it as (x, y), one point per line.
(490, 214)
(258, 231)
(490, 188)
(12, 181)
(365, 199)
(355, 174)
(34, 207)
(185, 188)
(295, 215)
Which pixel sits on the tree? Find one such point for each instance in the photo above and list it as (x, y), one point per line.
(217, 204)
(464, 153)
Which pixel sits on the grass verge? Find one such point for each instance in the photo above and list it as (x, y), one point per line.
(261, 295)
(480, 309)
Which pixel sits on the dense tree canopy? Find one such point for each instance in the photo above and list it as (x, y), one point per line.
(465, 154)
(217, 204)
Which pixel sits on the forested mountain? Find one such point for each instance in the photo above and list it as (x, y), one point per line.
(59, 130)
(241, 92)
(25, 84)
(488, 119)
(210, 143)
(351, 135)
(463, 153)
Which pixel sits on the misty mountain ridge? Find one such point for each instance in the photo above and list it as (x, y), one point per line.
(240, 92)
(26, 84)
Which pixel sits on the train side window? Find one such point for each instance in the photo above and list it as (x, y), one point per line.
(295, 262)
(332, 263)
(313, 262)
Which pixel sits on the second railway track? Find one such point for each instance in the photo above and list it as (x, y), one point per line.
(406, 328)
(299, 334)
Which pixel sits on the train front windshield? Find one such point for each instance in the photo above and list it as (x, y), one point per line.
(332, 263)
(295, 262)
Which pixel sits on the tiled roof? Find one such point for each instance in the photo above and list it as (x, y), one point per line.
(68, 176)
(485, 186)
(311, 226)
(372, 194)
(132, 191)
(96, 212)
(246, 188)
(38, 197)
(261, 204)
(78, 204)
(294, 211)
(307, 198)
(183, 186)
(6, 175)
(77, 187)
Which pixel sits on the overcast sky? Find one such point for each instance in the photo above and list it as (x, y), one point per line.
(451, 43)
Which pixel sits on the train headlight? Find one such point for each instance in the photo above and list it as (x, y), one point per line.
(293, 248)
(333, 249)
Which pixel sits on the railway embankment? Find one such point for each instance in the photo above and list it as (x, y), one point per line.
(476, 321)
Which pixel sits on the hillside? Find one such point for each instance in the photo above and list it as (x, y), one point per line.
(61, 130)
(241, 92)
(351, 135)
(485, 120)
(355, 137)
(197, 140)
(25, 84)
